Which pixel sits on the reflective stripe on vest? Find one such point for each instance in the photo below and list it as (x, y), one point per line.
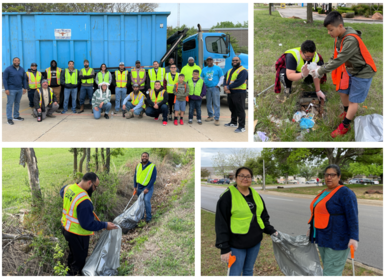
(195, 89)
(234, 76)
(320, 212)
(121, 78)
(90, 80)
(156, 76)
(134, 73)
(49, 75)
(135, 101)
(41, 99)
(171, 82)
(106, 77)
(300, 62)
(34, 82)
(73, 196)
(143, 177)
(71, 79)
(241, 215)
(339, 76)
(154, 98)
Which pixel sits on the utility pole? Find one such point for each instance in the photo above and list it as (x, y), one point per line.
(263, 183)
(178, 15)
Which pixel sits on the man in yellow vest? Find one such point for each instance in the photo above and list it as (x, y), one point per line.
(189, 68)
(45, 101)
(144, 180)
(121, 77)
(52, 74)
(86, 75)
(136, 105)
(235, 86)
(70, 81)
(157, 103)
(78, 221)
(155, 74)
(139, 76)
(33, 79)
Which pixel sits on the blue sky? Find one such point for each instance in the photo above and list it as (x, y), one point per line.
(208, 153)
(206, 14)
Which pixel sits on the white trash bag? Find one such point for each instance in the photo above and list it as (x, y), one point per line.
(368, 128)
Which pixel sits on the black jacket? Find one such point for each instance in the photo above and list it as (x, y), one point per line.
(150, 103)
(68, 85)
(36, 100)
(225, 238)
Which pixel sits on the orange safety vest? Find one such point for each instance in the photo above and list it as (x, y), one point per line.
(320, 212)
(339, 76)
(185, 88)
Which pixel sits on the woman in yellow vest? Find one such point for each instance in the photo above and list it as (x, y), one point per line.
(241, 219)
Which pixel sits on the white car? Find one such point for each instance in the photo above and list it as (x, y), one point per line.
(293, 181)
(311, 181)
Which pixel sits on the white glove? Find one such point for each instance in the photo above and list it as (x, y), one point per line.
(354, 243)
(321, 95)
(314, 73)
(304, 71)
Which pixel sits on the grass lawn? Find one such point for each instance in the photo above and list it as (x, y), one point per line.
(356, 188)
(265, 265)
(55, 169)
(269, 32)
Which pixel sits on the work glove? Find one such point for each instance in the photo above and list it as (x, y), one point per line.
(304, 71)
(354, 243)
(321, 95)
(314, 73)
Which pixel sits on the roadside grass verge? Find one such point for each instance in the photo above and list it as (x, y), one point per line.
(269, 32)
(265, 265)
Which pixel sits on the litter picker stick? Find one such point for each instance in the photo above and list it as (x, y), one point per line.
(352, 256)
(96, 216)
(231, 261)
(130, 199)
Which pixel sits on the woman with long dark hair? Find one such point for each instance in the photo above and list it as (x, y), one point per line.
(334, 222)
(241, 219)
(103, 76)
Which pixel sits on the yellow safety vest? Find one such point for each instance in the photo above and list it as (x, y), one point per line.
(135, 101)
(171, 82)
(71, 79)
(154, 98)
(41, 99)
(49, 75)
(90, 80)
(73, 196)
(34, 82)
(197, 89)
(234, 77)
(143, 177)
(121, 78)
(156, 76)
(297, 55)
(134, 74)
(106, 77)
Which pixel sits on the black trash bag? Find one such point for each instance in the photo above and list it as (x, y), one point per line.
(132, 216)
(105, 259)
(296, 255)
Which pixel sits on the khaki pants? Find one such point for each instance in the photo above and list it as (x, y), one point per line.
(56, 91)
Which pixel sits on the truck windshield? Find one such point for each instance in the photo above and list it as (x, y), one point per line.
(189, 45)
(216, 45)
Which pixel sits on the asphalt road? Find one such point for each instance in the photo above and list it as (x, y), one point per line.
(275, 186)
(83, 127)
(290, 215)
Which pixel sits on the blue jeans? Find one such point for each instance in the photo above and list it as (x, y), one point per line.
(84, 91)
(195, 104)
(105, 107)
(137, 111)
(213, 100)
(67, 92)
(151, 112)
(13, 99)
(31, 94)
(147, 201)
(120, 95)
(245, 261)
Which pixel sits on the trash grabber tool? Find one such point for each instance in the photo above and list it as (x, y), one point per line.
(96, 216)
(231, 261)
(352, 256)
(130, 199)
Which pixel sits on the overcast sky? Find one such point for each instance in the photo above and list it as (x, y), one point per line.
(207, 15)
(208, 153)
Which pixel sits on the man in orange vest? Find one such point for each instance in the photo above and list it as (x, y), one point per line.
(352, 69)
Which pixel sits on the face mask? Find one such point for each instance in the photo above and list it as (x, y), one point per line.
(191, 64)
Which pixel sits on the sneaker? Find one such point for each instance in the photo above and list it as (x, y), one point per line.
(129, 115)
(74, 111)
(164, 123)
(63, 112)
(342, 115)
(181, 122)
(190, 121)
(230, 125)
(240, 130)
(34, 115)
(10, 122)
(156, 118)
(117, 111)
(208, 119)
(340, 131)
(141, 114)
(106, 116)
(200, 122)
(287, 91)
(18, 119)
(50, 116)
(216, 122)
(176, 122)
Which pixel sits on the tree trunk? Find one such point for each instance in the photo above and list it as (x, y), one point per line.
(309, 13)
(27, 155)
(75, 160)
(88, 159)
(82, 160)
(108, 159)
(270, 5)
(103, 159)
(96, 160)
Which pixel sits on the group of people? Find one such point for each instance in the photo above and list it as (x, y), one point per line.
(158, 91)
(352, 69)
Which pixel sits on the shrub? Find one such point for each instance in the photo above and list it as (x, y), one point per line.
(366, 14)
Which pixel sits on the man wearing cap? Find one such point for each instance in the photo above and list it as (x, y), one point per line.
(171, 62)
(213, 78)
(15, 85)
(70, 81)
(138, 76)
(52, 74)
(121, 77)
(156, 73)
(189, 68)
(101, 101)
(86, 76)
(33, 79)
(157, 103)
(136, 106)
(45, 101)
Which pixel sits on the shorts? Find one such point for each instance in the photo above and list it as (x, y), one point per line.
(358, 89)
(180, 105)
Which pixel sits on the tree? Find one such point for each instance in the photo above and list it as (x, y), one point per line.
(27, 155)
(88, 159)
(108, 155)
(96, 160)
(281, 156)
(75, 160)
(82, 160)
(240, 156)
(307, 171)
(230, 24)
(205, 173)
(270, 7)
(309, 12)
(103, 159)
(220, 164)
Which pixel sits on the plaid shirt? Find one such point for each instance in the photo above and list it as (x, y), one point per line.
(281, 63)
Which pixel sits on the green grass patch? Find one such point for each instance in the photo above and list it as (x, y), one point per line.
(269, 32)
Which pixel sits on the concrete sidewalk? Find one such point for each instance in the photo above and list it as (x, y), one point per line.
(83, 127)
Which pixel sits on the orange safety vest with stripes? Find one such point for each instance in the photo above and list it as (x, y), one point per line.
(34, 82)
(340, 76)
